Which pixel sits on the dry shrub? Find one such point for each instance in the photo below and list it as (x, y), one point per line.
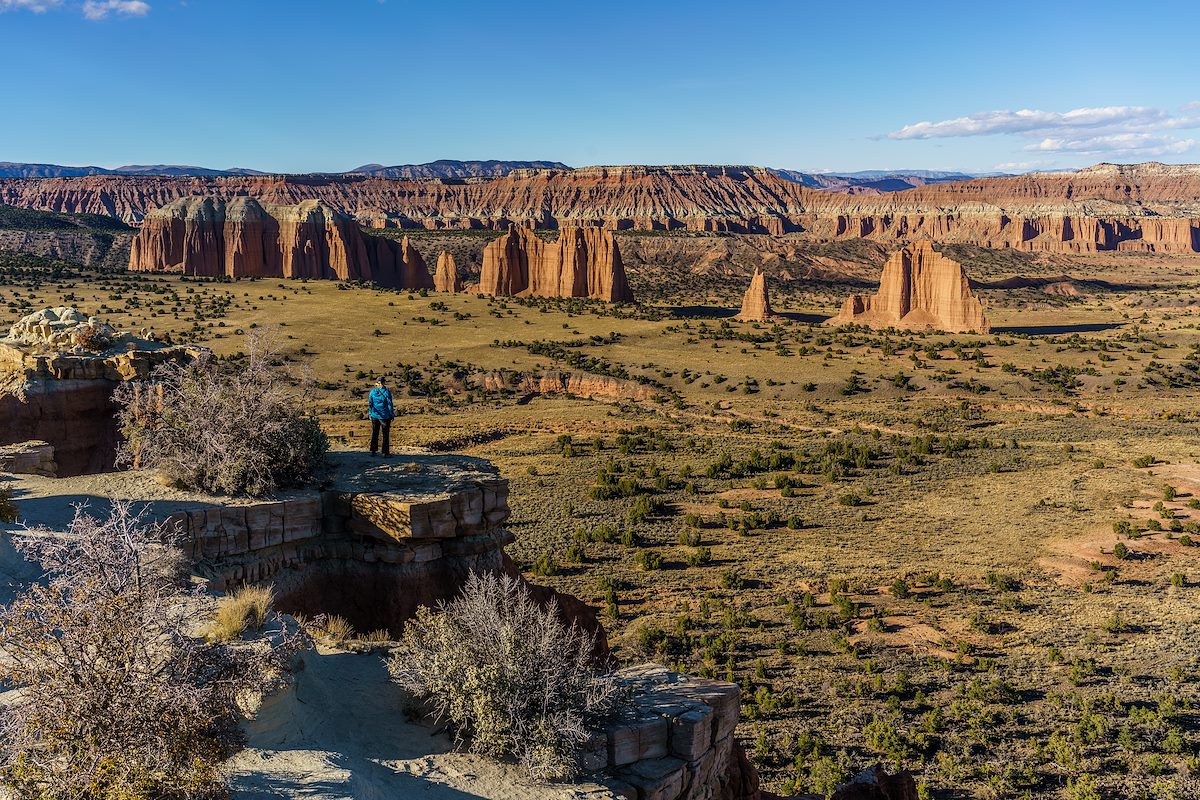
(509, 676)
(331, 630)
(235, 428)
(245, 607)
(91, 336)
(117, 700)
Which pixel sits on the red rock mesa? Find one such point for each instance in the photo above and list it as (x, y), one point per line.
(244, 238)
(1138, 207)
(920, 290)
(583, 262)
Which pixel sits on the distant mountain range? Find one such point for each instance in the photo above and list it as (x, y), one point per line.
(447, 168)
(875, 180)
(866, 181)
(10, 169)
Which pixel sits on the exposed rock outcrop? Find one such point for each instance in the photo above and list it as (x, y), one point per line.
(920, 290)
(1147, 207)
(582, 262)
(242, 237)
(65, 398)
(445, 278)
(59, 329)
(29, 458)
(756, 304)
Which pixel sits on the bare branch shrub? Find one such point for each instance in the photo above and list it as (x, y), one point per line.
(233, 428)
(116, 698)
(510, 677)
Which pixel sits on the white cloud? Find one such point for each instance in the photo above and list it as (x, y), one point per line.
(1027, 121)
(1142, 144)
(99, 9)
(1103, 131)
(92, 9)
(36, 6)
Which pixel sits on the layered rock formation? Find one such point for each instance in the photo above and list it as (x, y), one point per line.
(241, 237)
(60, 329)
(756, 304)
(920, 290)
(1148, 207)
(445, 277)
(65, 398)
(583, 262)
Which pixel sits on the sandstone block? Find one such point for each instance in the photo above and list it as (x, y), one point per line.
(389, 517)
(29, 458)
(637, 739)
(658, 778)
(691, 732)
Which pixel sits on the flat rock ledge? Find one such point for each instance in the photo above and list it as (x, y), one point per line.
(28, 458)
(675, 742)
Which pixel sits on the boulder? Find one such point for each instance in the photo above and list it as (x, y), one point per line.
(921, 290)
(61, 329)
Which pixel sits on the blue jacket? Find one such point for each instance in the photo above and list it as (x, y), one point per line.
(379, 404)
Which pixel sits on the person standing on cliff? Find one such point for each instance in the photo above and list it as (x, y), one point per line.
(382, 412)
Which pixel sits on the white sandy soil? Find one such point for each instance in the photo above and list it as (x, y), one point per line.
(342, 734)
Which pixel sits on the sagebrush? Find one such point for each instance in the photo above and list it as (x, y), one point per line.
(118, 700)
(238, 427)
(511, 678)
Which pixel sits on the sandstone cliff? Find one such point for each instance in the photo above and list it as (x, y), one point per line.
(756, 304)
(55, 391)
(445, 278)
(1148, 207)
(242, 237)
(920, 290)
(582, 262)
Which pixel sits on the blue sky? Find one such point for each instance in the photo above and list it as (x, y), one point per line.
(307, 85)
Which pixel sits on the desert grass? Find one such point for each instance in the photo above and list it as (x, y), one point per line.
(244, 608)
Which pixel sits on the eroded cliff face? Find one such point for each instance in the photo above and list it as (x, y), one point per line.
(445, 277)
(920, 290)
(241, 237)
(1143, 207)
(756, 303)
(583, 262)
(67, 401)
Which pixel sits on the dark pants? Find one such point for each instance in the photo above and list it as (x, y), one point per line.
(386, 425)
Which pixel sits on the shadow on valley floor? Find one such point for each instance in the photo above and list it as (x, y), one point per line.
(1056, 330)
(720, 312)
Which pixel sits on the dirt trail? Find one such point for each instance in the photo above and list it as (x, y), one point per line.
(342, 734)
